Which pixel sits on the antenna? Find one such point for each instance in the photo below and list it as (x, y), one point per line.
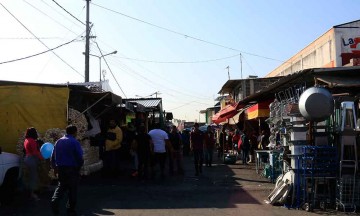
(241, 65)
(228, 67)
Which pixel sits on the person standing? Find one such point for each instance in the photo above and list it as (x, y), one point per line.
(113, 141)
(222, 142)
(235, 139)
(197, 146)
(32, 159)
(144, 150)
(161, 143)
(209, 144)
(66, 160)
(176, 143)
(185, 139)
(245, 147)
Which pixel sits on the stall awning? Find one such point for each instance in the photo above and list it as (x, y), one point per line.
(258, 110)
(227, 112)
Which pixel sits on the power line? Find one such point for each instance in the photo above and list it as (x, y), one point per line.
(30, 38)
(179, 62)
(40, 40)
(185, 35)
(49, 17)
(110, 69)
(61, 14)
(68, 12)
(23, 58)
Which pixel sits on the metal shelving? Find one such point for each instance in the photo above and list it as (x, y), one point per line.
(318, 170)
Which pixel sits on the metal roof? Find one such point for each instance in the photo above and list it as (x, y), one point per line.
(347, 81)
(231, 84)
(147, 102)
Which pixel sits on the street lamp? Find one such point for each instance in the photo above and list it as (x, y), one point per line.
(99, 57)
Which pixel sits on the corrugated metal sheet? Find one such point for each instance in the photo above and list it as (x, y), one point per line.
(148, 103)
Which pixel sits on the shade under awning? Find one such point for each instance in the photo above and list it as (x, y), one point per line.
(338, 81)
(258, 110)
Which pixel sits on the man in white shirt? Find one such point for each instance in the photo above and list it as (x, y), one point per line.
(161, 143)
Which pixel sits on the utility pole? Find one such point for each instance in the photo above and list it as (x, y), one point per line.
(87, 44)
(241, 65)
(228, 71)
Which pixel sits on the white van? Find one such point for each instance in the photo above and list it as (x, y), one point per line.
(9, 175)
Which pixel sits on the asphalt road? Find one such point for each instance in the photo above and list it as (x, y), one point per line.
(220, 190)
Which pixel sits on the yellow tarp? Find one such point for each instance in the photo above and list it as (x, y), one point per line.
(23, 106)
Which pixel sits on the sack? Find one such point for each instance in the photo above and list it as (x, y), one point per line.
(260, 146)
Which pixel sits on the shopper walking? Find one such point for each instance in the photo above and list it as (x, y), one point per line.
(144, 150)
(245, 147)
(161, 143)
(197, 146)
(67, 159)
(176, 143)
(31, 160)
(209, 144)
(222, 142)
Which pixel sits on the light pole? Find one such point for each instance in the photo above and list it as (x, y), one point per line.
(99, 57)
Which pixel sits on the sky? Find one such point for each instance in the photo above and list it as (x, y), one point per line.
(178, 48)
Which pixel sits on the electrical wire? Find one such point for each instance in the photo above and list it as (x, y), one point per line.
(40, 53)
(186, 35)
(40, 40)
(248, 65)
(30, 38)
(66, 17)
(68, 12)
(179, 62)
(49, 17)
(110, 69)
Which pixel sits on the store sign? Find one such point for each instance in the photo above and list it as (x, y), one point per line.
(352, 43)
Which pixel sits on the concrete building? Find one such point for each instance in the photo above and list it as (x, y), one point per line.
(335, 48)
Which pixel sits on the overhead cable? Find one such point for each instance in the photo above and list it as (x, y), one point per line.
(61, 14)
(187, 36)
(110, 69)
(30, 38)
(49, 17)
(179, 62)
(68, 12)
(40, 40)
(18, 59)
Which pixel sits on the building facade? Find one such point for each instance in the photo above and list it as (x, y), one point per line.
(337, 47)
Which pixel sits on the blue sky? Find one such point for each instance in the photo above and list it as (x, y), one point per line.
(153, 52)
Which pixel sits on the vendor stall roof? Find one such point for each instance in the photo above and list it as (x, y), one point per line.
(347, 80)
(147, 102)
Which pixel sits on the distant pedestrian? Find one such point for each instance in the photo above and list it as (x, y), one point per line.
(209, 144)
(66, 160)
(197, 146)
(162, 144)
(176, 143)
(185, 139)
(222, 142)
(144, 149)
(245, 147)
(235, 139)
(32, 159)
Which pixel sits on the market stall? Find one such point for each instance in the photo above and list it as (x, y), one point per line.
(313, 124)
